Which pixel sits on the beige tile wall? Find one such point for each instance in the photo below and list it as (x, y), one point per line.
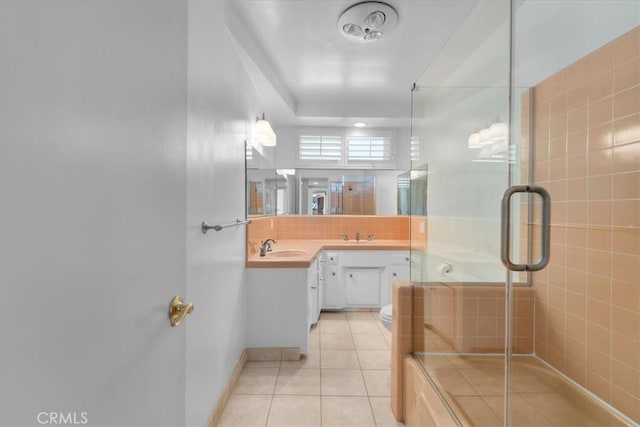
(325, 227)
(586, 121)
(401, 341)
(470, 318)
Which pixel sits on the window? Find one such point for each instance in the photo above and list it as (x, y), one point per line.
(369, 149)
(320, 149)
(330, 148)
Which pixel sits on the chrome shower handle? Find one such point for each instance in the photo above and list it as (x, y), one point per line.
(505, 234)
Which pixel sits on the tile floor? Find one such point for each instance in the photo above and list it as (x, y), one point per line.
(343, 381)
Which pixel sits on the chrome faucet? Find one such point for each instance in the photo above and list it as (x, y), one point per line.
(370, 237)
(357, 236)
(266, 247)
(345, 237)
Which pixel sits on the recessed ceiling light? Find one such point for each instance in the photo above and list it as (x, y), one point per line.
(359, 124)
(367, 21)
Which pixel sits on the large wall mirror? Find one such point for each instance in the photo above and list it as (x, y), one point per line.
(323, 191)
(332, 192)
(260, 184)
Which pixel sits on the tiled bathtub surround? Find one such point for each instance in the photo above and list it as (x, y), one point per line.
(293, 227)
(586, 122)
(467, 318)
(473, 384)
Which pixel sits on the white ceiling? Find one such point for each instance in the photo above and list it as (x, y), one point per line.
(308, 74)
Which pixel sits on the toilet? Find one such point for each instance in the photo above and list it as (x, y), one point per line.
(385, 316)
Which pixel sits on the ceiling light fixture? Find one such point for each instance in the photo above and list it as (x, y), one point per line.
(494, 135)
(264, 133)
(367, 21)
(359, 124)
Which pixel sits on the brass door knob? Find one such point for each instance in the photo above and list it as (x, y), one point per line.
(178, 310)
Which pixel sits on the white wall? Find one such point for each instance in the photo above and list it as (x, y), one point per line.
(221, 105)
(121, 123)
(93, 126)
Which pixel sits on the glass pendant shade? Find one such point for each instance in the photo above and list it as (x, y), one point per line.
(264, 133)
(498, 131)
(474, 141)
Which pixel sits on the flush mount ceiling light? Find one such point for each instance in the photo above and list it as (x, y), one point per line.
(367, 21)
(359, 124)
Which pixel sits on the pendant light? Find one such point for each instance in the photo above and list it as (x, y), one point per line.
(264, 133)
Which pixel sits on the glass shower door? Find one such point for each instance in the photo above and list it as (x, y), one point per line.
(460, 122)
(576, 132)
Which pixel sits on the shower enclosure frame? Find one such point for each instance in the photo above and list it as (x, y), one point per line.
(532, 216)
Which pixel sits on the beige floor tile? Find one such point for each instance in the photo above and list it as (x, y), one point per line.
(256, 381)
(359, 315)
(314, 338)
(374, 359)
(334, 327)
(246, 411)
(336, 342)
(342, 382)
(294, 411)
(368, 326)
(341, 315)
(298, 381)
(378, 382)
(387, 336)
(311, 360)
(384, 331)
(381, 407)
(370, 342)
(346, 411)
(339, 359)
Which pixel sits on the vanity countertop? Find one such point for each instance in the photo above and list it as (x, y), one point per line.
(301, 253)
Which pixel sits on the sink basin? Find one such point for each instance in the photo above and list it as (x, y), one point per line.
(287, 253)
(361, 242)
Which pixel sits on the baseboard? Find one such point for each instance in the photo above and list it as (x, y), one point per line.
(226, 393)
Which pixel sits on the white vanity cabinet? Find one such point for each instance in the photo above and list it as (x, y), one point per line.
(362, 278)
(313, 293)
(400, 266)
(282, 303)
(333, 295)
(362, 286)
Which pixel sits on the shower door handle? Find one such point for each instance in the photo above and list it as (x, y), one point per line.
(505, 234)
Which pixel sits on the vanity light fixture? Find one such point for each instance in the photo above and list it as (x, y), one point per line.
(359, 124)
(474, 140)
(498, 131)
(367, 21)
(285, 172)
(264, 133)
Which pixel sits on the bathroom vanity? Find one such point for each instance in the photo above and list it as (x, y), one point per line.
(288, 288)
(362, 278)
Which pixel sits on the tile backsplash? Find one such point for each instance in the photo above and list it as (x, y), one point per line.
(325, 227)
